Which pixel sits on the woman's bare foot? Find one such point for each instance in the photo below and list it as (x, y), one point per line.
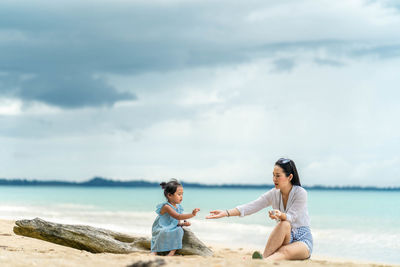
(154, 253)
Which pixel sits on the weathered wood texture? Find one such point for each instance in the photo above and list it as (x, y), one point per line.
(97, 240)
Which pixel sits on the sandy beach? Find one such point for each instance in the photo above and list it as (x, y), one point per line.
(24, 251)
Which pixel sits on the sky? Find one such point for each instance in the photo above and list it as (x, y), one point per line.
(202, 91)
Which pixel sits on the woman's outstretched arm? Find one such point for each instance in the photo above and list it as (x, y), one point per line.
(263, 201)
(216, 214)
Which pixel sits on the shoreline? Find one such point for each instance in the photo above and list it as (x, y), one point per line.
(18, 250)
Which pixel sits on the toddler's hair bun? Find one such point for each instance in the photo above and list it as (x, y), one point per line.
(163, 184)
(170, 187)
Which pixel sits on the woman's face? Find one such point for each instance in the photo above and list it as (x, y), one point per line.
(279, 178)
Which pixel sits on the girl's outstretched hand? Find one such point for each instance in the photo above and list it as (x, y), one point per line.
(216, 214)
(195, 211)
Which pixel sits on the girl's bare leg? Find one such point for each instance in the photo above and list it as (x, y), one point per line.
(171, 253)
(280, 236)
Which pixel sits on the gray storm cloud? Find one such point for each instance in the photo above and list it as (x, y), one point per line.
(65, 45)
(64, 90)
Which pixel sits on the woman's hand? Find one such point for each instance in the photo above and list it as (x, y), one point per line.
(195, 211)
(216, 214)
(185, 223)
(275, 214)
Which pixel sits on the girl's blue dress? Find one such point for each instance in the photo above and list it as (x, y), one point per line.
(166, 234)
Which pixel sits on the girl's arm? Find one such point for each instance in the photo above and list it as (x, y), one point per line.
(176, 215)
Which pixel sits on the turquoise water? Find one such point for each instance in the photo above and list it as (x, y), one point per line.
(360, 225)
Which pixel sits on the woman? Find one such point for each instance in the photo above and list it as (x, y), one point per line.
(291, 238)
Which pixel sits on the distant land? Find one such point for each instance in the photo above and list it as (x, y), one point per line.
(103, 182)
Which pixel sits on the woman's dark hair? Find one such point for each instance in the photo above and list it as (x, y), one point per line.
(170, 187)
(289, 168)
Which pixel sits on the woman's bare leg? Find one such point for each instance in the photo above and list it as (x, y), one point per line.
(293, 251)
(280, 236)
(171, 253)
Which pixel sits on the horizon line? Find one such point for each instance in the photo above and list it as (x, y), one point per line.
(106, 182)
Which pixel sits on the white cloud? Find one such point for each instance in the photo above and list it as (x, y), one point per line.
(10, 106)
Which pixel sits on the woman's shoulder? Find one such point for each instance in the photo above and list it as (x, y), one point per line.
(300, 190)
(273, 192)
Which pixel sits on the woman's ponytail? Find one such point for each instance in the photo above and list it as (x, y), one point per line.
(296, 179)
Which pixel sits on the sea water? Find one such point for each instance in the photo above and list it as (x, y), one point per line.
(355, 225)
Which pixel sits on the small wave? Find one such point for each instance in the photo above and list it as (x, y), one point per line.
(74, 206)
(387, 239)
(13, 208)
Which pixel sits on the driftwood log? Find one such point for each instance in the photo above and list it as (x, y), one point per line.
(97, 240)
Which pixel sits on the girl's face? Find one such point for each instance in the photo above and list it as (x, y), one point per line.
(279, 178)
(176, 198)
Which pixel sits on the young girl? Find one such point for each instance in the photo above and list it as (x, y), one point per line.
(167, 232)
